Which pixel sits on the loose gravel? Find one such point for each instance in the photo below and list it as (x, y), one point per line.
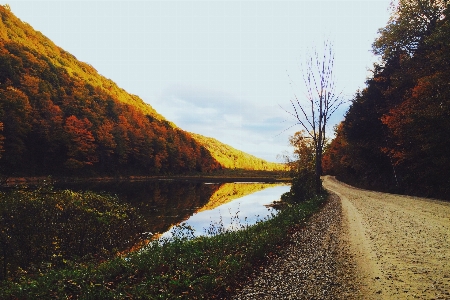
(317, 264)
(362, 245)
(402, 243)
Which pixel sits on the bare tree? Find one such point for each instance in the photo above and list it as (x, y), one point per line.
(321, 101)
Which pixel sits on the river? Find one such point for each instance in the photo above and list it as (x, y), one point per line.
(203, 206)
(49, 226)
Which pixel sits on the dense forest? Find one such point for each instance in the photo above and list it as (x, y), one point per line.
(396, 133)
(58, 116)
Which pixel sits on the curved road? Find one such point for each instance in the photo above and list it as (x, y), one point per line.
(401, 243)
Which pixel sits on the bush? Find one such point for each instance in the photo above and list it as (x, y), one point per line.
(302, 167)
(44, 229)
(302, 187)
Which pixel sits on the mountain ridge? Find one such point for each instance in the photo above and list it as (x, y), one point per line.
(14, 29)
(58, 115)
(232, 158)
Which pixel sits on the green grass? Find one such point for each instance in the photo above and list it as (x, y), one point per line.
(184, 268)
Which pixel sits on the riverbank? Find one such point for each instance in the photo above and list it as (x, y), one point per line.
(216, 177)
(204, 267)
(316, 264)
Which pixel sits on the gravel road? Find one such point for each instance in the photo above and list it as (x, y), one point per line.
(362, 245)
(401, 244)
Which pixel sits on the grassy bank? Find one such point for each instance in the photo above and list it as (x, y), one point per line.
(204, 267)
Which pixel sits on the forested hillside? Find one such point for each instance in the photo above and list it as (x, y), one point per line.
(232, 158)
(59, 116)
(396, 133)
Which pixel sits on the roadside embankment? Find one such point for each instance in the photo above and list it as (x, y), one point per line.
(317, 264)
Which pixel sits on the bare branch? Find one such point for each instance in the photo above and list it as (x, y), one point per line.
(321, 100)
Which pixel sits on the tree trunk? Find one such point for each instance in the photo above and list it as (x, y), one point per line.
(318, 171)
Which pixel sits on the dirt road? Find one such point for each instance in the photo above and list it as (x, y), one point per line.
(401, 243)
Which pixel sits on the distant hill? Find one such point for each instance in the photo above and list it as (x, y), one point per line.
(232, 158)
(59, 116)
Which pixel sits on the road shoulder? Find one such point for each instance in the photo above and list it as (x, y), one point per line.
(354, 236)
(315, 265)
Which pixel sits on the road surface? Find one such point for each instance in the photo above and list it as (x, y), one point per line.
(401, 244)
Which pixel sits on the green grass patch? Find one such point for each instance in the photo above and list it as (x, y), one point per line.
(184, 268)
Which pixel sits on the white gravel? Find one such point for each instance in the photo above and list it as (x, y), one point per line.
(402, 243)
(315, 265)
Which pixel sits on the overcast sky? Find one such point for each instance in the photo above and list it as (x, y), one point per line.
(217, 68)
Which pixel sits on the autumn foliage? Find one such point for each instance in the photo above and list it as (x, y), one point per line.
(231, 158)
(396, 134)
(59, 116)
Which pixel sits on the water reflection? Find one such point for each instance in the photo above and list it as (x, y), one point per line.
(233, 213)
(230, 191)
(164, 204)
(46, 227)
(160, 203)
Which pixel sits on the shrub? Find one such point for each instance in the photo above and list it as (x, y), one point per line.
(45, 229)
(302, 187)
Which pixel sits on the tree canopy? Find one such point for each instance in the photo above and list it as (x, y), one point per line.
(396, 134)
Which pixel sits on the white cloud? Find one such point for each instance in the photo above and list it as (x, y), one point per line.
(247, 126)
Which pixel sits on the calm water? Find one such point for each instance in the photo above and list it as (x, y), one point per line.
(164, 204)
(235, 214)
(154, 208)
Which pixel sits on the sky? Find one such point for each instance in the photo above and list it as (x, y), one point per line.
(223, 69)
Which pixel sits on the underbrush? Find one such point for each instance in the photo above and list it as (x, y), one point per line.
(44, 229)
(182, 268)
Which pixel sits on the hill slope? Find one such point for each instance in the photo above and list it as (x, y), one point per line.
(232, 158)
(59, 116)
(13, 30)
